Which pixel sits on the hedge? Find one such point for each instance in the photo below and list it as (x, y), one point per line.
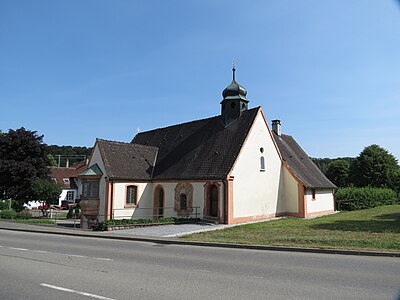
(352, 198)
(12, 214)
(103, 226)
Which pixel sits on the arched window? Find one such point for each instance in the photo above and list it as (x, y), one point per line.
(182, 201)
(262, 164)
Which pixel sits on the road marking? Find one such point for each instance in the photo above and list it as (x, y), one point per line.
(59, 288)
(204, 271)
(20, 249)
(40, 251)
(258, 277)
(70, 255)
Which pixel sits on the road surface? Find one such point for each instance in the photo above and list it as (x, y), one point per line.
(45, 266)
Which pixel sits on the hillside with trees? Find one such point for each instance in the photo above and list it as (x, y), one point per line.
(74, 154)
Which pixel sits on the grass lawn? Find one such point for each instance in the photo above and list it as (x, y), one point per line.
(33, 221)
(370, 229)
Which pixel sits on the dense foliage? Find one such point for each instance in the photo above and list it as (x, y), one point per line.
(375, 167)
(69, 152)
(323, 163)
(23, 159)
(338, 172)
(46, 190)
(353, 198)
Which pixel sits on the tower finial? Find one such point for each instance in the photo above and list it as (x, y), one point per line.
(233, 68)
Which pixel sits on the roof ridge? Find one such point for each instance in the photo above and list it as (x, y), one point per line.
(125, 143)
(189, 122)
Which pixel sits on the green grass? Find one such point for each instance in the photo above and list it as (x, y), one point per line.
(370, 229)
(33, 221)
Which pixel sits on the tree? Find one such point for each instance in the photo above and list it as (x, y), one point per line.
(23, 158)
(46, 191)
(52, 161)
(375, 167)
(338, 172)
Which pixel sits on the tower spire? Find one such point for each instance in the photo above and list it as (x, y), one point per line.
(233, 69)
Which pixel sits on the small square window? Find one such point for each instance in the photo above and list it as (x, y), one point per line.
(66, 180)
(70, 196)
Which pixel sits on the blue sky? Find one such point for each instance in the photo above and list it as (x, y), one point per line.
(77, 70)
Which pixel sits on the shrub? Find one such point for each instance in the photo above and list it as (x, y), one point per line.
(8, 214)
(351, 198)
(4, 204)
(103, 226)
(12, 214)
(25, 215)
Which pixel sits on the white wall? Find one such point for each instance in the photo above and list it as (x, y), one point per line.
(288, 193)
(63, 195)
(255, 193)
(323, 200)
(146, 198)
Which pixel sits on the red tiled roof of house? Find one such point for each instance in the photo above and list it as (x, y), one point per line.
(63, 176)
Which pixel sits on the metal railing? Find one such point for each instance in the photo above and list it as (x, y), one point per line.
(59, 218)
(155, 213)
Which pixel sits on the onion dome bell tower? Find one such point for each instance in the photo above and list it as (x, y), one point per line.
(234, 102)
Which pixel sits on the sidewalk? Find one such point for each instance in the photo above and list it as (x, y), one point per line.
(13, 226)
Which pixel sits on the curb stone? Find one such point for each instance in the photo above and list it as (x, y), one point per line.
(174, 241)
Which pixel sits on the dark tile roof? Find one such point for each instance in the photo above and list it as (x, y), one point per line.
(202, 149)
(127, 160)
(299, 162)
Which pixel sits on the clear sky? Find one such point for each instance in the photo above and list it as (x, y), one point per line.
(77, 70)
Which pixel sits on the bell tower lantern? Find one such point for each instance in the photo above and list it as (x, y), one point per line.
(234, 101)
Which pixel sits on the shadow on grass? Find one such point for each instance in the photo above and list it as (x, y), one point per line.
(381, 223)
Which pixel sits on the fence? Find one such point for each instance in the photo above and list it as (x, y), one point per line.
(155, 213)
(57, 217)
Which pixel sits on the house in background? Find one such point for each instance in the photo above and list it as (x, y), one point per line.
(231, 168)
(67, 178)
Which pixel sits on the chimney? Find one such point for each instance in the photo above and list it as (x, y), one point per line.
(67, 163)
(276, 127)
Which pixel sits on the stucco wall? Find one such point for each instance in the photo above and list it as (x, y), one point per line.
(146, 198)
(288, 193)
(322, 203)
(255, 192)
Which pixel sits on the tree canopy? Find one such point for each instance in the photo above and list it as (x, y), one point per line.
(46, 190)
(338, 172)
(375, 167)
(23, 159)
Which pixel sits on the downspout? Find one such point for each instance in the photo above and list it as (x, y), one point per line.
(225, 185)
(112, 199)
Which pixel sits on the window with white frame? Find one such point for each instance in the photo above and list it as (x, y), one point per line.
(70, 196)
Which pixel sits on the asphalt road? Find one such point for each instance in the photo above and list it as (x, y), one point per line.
(44, 266)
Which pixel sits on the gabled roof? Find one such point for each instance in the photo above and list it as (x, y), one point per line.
(61, 173)
(202, 149)
(299, 162)
(127, 160)
(93, 170)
